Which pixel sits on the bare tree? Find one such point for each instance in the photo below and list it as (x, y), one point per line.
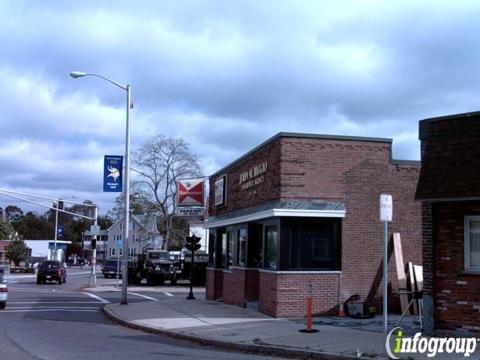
(158, 164)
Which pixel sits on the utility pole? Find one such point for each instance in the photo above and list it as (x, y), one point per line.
(93, 276)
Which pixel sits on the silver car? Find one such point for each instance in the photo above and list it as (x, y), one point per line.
(3, 292)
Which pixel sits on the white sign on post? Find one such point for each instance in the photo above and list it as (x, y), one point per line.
(95, 229)
(386, 207)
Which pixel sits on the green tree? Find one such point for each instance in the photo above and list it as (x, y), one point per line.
(17, 251)
(6, 230)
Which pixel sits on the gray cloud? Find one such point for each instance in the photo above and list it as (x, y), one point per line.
(223, 75)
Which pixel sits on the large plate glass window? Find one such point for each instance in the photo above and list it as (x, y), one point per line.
(472, 243)
(271, 247)
(242, 247)
(230, 248)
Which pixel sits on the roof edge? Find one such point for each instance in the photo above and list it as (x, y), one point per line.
(301, 135)
(424, 124)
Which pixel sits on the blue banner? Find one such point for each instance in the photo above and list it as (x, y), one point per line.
(60, 231)
(112, 173)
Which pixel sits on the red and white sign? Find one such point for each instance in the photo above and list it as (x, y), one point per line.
(190, 192)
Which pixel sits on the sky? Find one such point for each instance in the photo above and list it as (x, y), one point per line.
(223, 75)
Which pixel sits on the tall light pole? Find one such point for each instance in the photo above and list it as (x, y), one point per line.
(126, 190)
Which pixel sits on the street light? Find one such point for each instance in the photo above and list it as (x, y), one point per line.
(127, 88)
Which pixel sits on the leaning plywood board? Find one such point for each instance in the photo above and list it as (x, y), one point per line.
(418, 270)
(411, 278)
(401, 276)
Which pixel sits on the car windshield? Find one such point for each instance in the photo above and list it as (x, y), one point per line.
(2, 279)
(111, 263)
(50, 265)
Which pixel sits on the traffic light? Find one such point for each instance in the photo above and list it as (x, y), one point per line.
(193, 243)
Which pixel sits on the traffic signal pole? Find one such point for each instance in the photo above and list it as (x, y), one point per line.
(192, 244)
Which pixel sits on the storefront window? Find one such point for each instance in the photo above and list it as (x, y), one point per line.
(314, 244)
(212, 249)
(472, 243)
(271, 247)
(241, 247)
(223, 263)
(230, 248)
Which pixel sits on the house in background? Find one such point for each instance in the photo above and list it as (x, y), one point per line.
(449, 188)
(102, 244)
(143, 232)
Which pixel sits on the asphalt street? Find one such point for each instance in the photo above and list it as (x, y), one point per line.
(50, 322)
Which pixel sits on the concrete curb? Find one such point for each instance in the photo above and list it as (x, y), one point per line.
(268, 350)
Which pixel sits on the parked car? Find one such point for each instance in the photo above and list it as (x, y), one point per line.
(3, 291)
(110, 269)
(51, 271)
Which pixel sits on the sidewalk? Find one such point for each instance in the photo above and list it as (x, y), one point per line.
(236, 328)
(239, 329)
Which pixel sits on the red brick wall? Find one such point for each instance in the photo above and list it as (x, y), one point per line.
(457, 295)
(352, 172)
(266, 191)
(285, 294)
(356, 173)
(240, 285)
(251, 284)
(450, 150)
(214, 286)
(234, 287)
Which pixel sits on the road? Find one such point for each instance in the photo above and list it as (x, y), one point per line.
(50, 322)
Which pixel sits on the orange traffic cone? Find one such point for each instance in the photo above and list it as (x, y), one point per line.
(341, 311)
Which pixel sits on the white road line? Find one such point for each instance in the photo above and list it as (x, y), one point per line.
(52, 302)
(47, 310)
(50, 307)
(13, 290)
(143, 296)
(167, 293)
(97, 297)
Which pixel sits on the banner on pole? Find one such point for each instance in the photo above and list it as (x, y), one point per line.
(112, 173)
(60, 231)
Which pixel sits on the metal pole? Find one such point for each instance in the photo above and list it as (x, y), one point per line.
(385, 279)
(190, 294)
(56, 231)
(127, 201)
(93, 275)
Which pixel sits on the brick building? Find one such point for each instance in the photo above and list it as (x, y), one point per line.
(450, 193)
(301, 210)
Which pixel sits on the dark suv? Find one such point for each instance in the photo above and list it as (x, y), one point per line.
(51, 271)
(110, 269)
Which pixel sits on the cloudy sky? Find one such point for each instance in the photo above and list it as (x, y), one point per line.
(224, 75)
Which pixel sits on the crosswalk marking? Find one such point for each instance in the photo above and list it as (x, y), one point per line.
(143, 296)
(102, 300)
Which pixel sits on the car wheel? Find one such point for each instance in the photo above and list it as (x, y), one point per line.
(39, 281)
(3, 305)
(60, 281)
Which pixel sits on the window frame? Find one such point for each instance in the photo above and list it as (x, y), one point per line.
(276, 225)
(466, 243)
